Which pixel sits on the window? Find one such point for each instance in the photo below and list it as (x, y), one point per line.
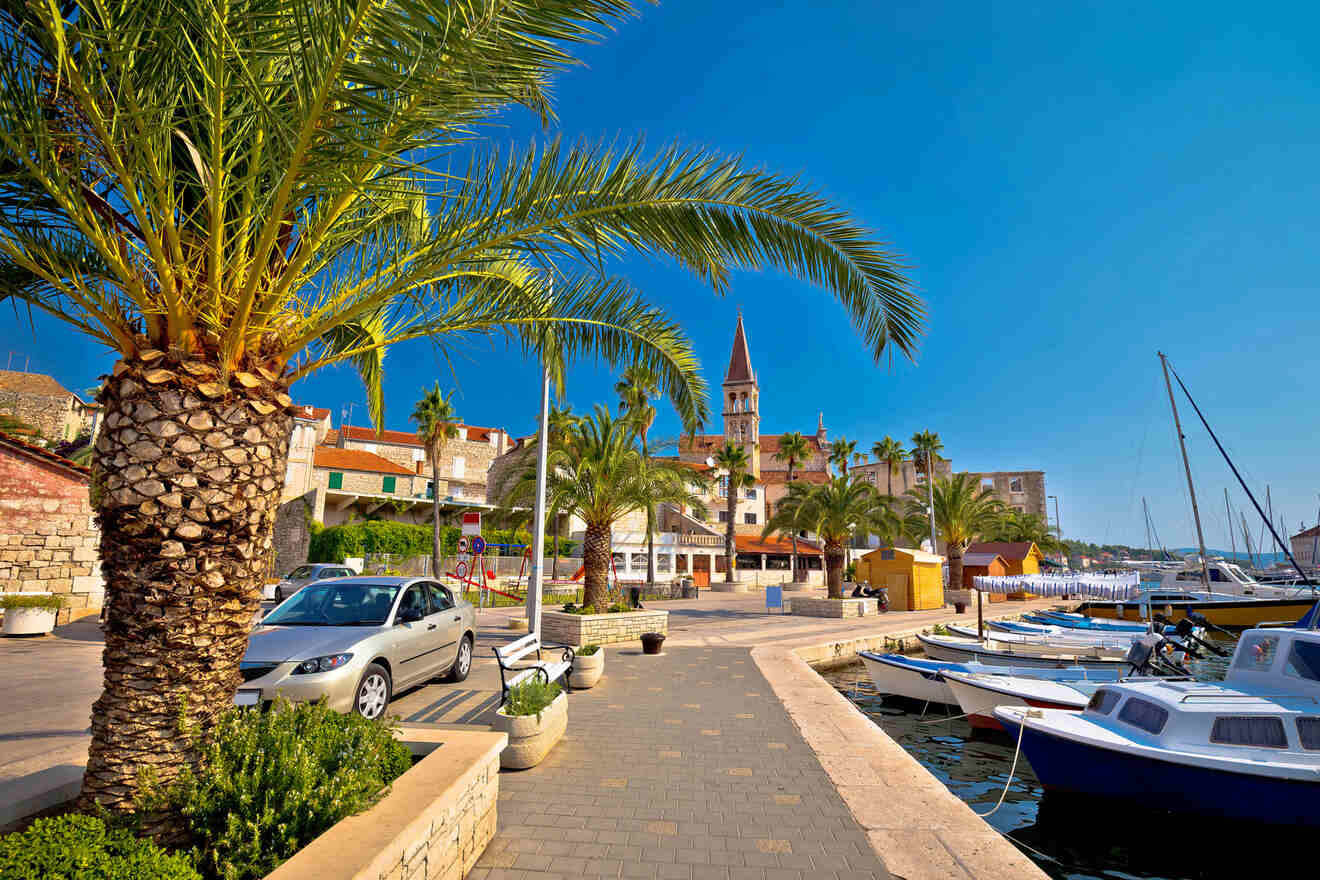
(724, 486)
(1015, 484)
(886, 554)
(430, 489)
(387, 485)
(724, 516)
(1144, 715)
(419, 455)
(750, 494)
(749, 519)
(617, 560)
(1256, 652)
(1103, 701)
(413, 606)
(664, 563)
(1304, 660)
(988, 483)
(459, 468)
(681, 563)
(441, 600)
(1248, 730)
(871, 477)
(639, 562)
(336, 480)
(1308, 731)
(1217, 576)
(749, 561)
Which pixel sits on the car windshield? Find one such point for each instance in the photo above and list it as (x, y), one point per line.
(302, 571)
(333, 604)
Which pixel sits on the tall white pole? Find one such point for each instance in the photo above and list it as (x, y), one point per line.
(930, 501)
(538, 522)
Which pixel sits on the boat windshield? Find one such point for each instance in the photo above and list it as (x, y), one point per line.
(336, 604)
(1304, 660)
(1256, 652)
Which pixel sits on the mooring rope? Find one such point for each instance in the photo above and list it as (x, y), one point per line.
(1022, 726)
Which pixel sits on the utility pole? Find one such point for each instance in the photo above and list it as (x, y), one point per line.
(1187, 468)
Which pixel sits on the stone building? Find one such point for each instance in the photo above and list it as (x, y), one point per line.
(43, 403)
(48, 540)
(1023, 491)
(877, 474)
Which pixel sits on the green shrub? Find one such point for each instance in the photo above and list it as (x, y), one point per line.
(54, 601)
(82, 848)
(530, 697)
(273, 781)
(618, 608)
(587, 650)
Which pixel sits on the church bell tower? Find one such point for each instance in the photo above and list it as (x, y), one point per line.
(742, 420)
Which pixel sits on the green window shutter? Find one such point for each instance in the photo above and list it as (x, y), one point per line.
(336, 480)
(387, 485)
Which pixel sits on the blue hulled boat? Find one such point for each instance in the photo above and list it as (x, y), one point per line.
(1246, 749)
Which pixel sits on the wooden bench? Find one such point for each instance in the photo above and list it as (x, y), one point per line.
(547, 670)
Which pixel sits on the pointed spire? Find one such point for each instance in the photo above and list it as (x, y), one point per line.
(740, 361)
(820, 426)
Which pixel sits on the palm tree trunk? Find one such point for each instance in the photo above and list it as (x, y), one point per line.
(891, 480)
(732, 507)
(435, 512)
(596, 565)
(186, 479)
(955, 566)
(787, 483)
(834, 569)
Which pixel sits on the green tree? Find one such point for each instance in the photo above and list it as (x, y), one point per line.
(636, 389)
(794, 449)
(964, 512)
(924, 442)
(1016, 526)
(840, 451)
(737, 465)
(233, 196)
(437, 424)
(561, 421)
(835, 511)
(890, 453)
(596, 472)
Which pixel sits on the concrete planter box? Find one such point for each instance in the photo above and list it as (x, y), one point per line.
(531, 737)
(837, 608)
(796, 587)
(587, 670)
(435, 822)
(29, 621)
(734, 587)
(559, 628)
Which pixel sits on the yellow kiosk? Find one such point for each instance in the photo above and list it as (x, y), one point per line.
(914, 578)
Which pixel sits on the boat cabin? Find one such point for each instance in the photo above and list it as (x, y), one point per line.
(1225, 577)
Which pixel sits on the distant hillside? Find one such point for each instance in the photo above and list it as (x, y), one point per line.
(1265, 559)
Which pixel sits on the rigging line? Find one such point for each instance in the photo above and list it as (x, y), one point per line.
(1243, 483)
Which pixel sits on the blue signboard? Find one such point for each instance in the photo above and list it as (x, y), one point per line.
(774, 598)
(478, 545)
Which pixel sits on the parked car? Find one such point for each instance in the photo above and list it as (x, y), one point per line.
(356, 641)
(307, 574)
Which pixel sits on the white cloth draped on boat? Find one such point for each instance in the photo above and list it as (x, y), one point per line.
(1097, 586)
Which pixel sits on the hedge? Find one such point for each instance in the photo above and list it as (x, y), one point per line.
(337, 543)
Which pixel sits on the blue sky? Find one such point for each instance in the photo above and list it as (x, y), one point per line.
(1076, 186)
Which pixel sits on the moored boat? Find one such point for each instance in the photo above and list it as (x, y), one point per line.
(1221, 609)
(959, 649)
(919, 678)
(978, 695)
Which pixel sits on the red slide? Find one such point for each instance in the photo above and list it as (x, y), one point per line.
(577, 575)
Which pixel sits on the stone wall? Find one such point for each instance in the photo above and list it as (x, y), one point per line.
(477, 458)
(293, 537)
(48, 542)
(601, 629)
(832, 607)
(57, 417)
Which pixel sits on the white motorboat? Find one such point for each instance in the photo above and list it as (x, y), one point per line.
(978, 695)
(960, 649)
(918, 678)
(1246, 749)
(1052, 638)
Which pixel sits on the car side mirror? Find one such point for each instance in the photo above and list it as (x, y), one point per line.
(409, 615)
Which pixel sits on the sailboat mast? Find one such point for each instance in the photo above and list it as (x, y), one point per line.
(1228, 512)
(1246, 537)
(1146, 512)
(1187, 468)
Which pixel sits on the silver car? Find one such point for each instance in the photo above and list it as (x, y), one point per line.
(356, 641)
(307, 574)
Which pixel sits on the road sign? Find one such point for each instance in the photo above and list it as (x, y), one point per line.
(460, 570)
(463, 543)
(472, 523)
(478, 545)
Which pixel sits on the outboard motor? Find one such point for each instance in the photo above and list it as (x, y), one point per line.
(1185, 628)
(1199, 619)
(1140, 651)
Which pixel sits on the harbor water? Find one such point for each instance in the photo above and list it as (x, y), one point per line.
(1068, 836)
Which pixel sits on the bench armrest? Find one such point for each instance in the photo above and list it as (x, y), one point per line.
(568, 654)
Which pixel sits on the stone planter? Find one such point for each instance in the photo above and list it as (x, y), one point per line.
(559, 628)
(587, 670)
(651, 642)
(734, 587)
(837, 608)
(29, 621)
(531, 737)
(796, 587)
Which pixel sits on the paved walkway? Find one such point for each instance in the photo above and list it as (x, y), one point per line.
(679, 766)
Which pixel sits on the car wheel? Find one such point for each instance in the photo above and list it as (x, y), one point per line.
(373, 692)
(279, 595)
(462, 661)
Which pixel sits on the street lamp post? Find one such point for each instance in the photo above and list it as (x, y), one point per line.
(538, 516)
(1058, 526)
(930, 501)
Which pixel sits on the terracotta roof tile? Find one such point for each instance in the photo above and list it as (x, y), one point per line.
(25, 448)
(31, 383)
(356, 460)
(331, 438)
(1011, 551)
(770, 443)
(405, 438)
(775, 544)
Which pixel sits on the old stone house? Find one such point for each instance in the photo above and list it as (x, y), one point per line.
(40, 401)
(48, 540)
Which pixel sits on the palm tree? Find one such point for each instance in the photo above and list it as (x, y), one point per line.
(890, 453)
(596, 472)
(436, 425)
(636, 390)
(1016, 526)
(859, 459)
(231, 199)
(561, 421)
(926, 449)
(840, 451)
(835, 511)
(736, 464)
(964, 512)
(793, 450)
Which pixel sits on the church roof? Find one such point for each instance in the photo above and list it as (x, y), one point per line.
(740, 361)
